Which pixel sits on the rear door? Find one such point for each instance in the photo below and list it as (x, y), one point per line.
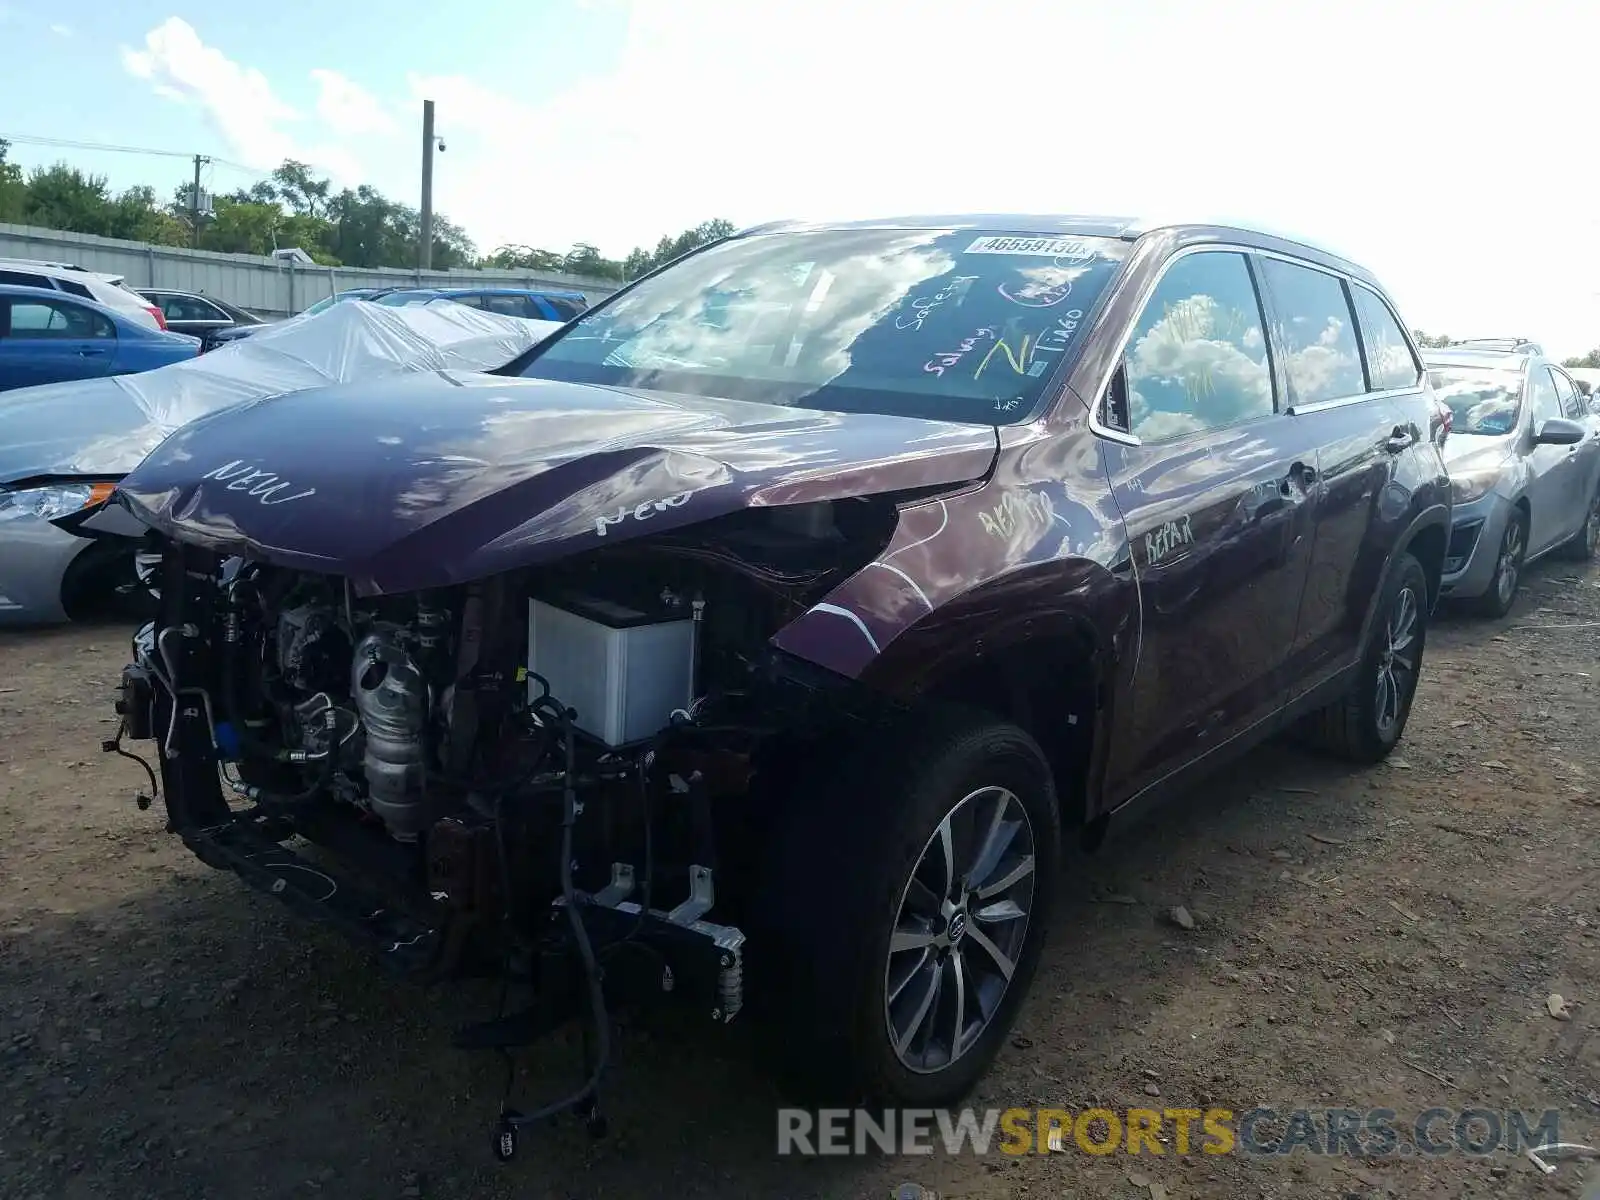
(1332, 334)
(52, 341)
(1213, 499)
(1552, 470)
(1585, 456)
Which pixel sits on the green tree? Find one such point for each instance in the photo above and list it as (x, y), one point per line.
(13, 188)
(294, 207)
(1426, 340)
(1591, 359)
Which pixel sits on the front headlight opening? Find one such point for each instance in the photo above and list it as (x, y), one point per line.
(1466, 488)
(52, 500)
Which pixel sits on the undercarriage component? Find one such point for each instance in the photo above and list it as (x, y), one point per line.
(391, 696)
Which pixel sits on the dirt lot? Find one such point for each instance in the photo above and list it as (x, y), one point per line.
(1386, 938)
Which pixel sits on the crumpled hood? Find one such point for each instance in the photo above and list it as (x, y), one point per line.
(424, 481)
(104, 427)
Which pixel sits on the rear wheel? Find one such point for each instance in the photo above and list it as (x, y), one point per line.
(1581, 546)
(1496, 602)
(1368, 723)
(903, 913)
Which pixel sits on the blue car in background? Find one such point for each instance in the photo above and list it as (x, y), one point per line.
(533, 304)
(48, 336)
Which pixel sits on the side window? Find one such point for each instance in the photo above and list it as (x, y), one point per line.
(22, 279)
(1198, 357)
(507, 305)
(471, 300)
(1390, 362)
(75, 289)
(1546, 399)
(1315, 333)
(1571, 405)
(43, 319)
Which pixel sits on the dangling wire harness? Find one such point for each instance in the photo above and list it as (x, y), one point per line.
(558, 718)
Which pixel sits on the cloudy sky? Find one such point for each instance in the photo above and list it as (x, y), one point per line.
(1410, 136)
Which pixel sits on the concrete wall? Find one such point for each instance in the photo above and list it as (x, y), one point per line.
(260, 284)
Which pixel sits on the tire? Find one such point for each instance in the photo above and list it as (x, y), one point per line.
(1512, 552)
(1365, 726)
(839, 885)
(1582, 545)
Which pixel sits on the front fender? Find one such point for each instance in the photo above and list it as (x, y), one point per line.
(1435, 516)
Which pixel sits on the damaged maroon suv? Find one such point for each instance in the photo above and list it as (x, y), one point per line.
(756, 641)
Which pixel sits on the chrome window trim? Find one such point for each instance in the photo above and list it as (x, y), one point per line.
(1100, 429)
(1358, 398)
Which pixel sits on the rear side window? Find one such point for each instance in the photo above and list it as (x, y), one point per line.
(1390, 363)
(1315, 333)
(75, 289)
(22, 279)
(1198, 357)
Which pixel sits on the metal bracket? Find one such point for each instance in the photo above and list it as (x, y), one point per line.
(701, 897)
(620, 887)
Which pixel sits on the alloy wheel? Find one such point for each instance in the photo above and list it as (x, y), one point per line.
(1397, 663)
(1591, 528)
(960, 929)
(1510, 563)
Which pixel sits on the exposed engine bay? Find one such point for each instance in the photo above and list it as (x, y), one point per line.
(519, 776)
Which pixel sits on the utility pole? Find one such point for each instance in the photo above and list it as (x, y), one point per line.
(194, 198)
(425, 246)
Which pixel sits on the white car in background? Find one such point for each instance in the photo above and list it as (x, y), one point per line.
(63, 445)
(110, 290)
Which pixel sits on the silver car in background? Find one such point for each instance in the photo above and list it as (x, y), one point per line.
(1524, 461)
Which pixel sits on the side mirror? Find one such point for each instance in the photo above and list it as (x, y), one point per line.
(1558, 431)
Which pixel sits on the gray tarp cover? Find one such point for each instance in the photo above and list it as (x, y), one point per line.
(108, 426)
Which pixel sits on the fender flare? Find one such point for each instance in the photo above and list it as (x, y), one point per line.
(1434, 516)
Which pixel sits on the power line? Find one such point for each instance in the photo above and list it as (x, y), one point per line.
(24, 139)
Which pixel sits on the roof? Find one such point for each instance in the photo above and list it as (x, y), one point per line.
(1127, 228)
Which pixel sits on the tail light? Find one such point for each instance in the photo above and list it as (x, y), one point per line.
(161, 319)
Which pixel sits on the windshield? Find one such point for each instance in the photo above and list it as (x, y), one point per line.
(1481, 401)
(956, 325)
(401, 299)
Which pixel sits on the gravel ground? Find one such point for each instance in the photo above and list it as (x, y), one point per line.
(1380, 938)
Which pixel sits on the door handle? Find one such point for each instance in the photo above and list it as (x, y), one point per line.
(90, 352)
(1401, 438)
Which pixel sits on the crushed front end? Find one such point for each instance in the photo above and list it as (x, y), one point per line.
(545, 776)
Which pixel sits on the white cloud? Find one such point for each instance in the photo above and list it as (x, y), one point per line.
(239, 100)
(348, 108)
(61, 30)
(1351, 123)
(1365, 125)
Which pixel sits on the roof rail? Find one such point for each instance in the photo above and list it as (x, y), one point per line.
(1511, 345)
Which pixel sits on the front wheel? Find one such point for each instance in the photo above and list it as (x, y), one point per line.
(1368, 722)
(1496, 602)
(904, 912)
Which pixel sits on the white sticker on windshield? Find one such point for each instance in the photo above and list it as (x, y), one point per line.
(1071, 249)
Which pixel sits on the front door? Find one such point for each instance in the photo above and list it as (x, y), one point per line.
(1552, 477)
(1214, 504)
